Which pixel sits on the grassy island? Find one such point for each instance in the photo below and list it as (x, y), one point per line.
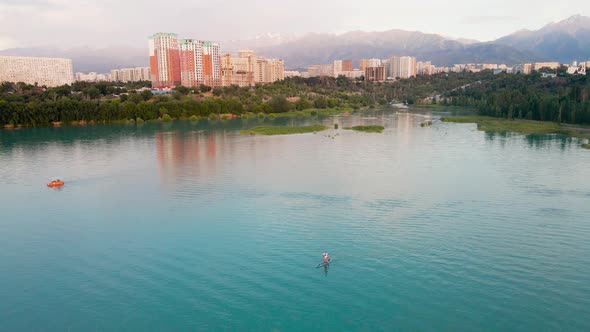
(520, 126)
(367, 129)
(315, 111)
(282, 130)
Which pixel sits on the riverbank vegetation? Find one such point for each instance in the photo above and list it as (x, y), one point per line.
(283, 130)
(561, 99)
(526, 127)
(27, 105)
(367, 129)
(521, 126)
(315, 111)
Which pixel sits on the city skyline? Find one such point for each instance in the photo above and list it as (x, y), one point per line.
(192, 62)
(58, 16)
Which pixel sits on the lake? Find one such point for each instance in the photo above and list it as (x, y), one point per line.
(190, 226)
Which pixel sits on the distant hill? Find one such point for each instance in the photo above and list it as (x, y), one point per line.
(324, 48)
(314, 48)
(481, 53)
(258, 42)
(562, 41)
(86, 59)
(317, 48)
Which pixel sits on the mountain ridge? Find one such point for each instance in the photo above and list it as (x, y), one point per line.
(563, 41)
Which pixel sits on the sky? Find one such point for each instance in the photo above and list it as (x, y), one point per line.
(107, 23)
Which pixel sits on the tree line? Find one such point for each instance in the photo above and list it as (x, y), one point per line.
(561, 99)
(28, 105)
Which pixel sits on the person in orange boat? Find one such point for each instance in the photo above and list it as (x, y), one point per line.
(55, 183)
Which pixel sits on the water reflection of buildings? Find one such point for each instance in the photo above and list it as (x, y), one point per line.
(186, 157)
(407, 122)
(403, 122)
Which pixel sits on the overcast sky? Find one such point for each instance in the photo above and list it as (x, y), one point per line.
(101, 23)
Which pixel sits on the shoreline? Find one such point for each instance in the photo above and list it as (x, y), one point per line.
(269, 130)
(211, 117)
(521, 126)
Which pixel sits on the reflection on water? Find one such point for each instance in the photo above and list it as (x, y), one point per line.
(192, 226)
(404, 122)
(186, 149)
(179, 152)
(544, 141)
(536, 141)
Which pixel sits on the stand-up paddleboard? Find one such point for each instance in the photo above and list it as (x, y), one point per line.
(324, 264)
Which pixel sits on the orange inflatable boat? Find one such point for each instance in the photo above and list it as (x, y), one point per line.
(55, 183)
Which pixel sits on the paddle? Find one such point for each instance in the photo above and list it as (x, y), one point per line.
(324, 264)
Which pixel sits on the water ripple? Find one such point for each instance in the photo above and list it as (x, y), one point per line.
(185, 227)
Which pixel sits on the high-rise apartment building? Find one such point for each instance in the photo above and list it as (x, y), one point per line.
(337, 66)
(268, 70)
(245, 53)
(425, 68)
(292, 73)
(365, 63)
(31, 70)
(248, 70)
(191, 62)
(142, 74)
(226, 70)
(550, 65)
(354, 74)
(91, 77)
(488, 66)
(523, 68)
(321, 70)
(402, 67)
(211, 63)
(277, 70)
(376, 74)
(341, 66)
(131, 74)
(164, 59)
(238, 71)
(188, 62)
(347, 65)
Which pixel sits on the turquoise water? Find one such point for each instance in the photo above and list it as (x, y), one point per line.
(189, 226)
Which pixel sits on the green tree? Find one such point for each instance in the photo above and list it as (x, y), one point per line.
(91, 92)
(182, 89)
(279, 104)
(146, 95)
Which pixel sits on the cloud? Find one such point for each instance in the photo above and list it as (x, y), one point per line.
(6, 42)
(100, 23)
(39, 4)
(488, 19)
